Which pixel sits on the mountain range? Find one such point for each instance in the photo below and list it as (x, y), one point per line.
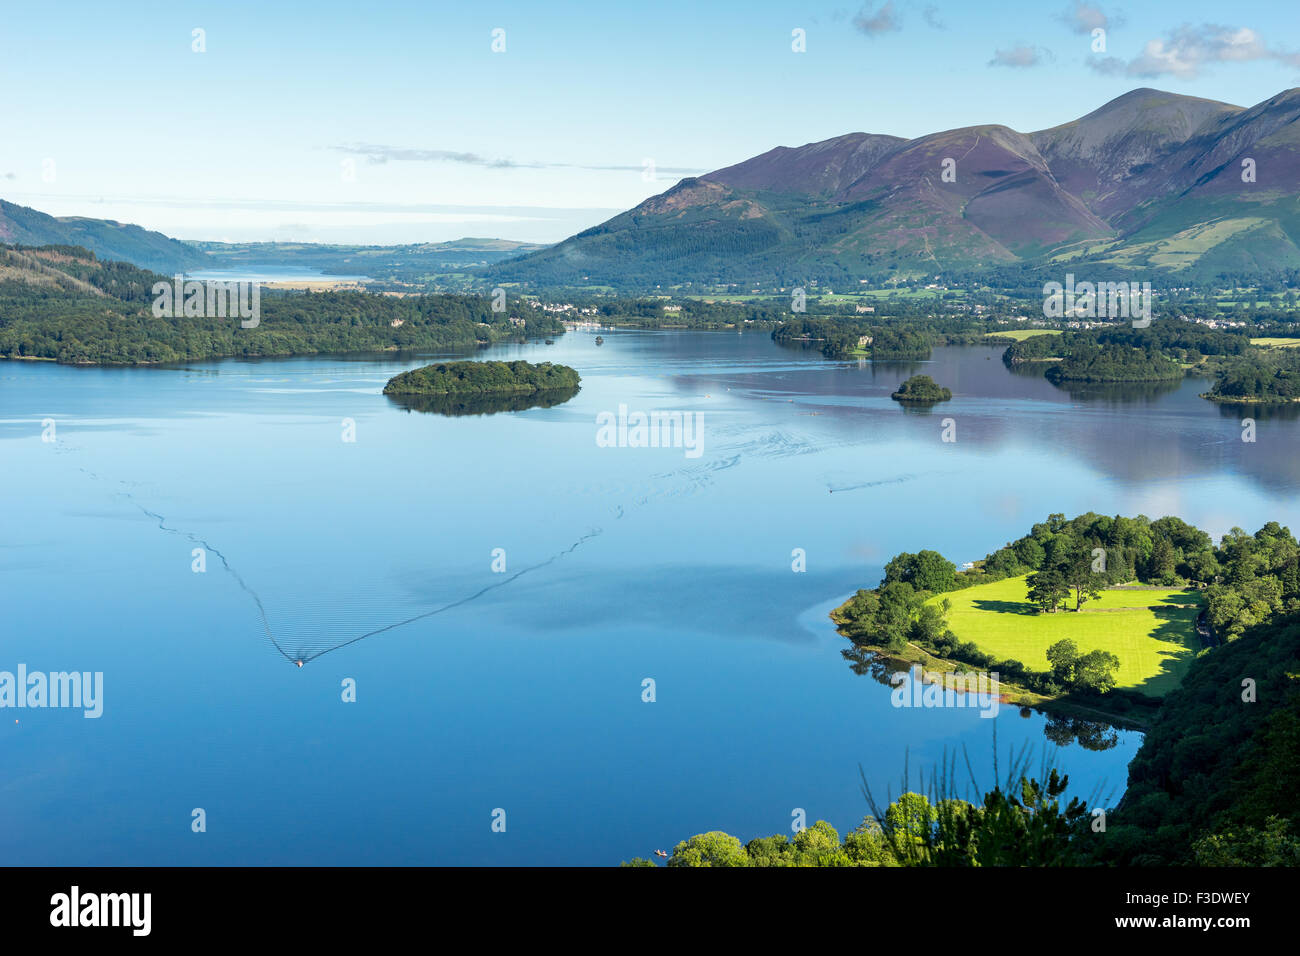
(1150, 181)
(1154, 184)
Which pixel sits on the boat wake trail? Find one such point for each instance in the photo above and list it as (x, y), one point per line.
(595, 532)
(304, 654)
(900, 479)
(225, 562)
(301, 656)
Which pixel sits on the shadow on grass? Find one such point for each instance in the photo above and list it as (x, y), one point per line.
(1177, 631)
(1007, 607)
(1190, 598)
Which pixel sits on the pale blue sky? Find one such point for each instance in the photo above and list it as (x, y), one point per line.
(247, 140)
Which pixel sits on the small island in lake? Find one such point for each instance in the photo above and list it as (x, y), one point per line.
(482, 378)
(921, 390)
(459, 388)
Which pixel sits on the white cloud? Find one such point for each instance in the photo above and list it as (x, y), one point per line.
(1189, 49)
(382, 154)
(1083, 17)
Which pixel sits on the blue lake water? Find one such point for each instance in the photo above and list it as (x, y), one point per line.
(258, 273)
(523, 692)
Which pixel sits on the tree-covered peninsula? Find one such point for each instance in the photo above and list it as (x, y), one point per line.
(1114, 363)
(921, 390)
(1164, 352)
(62, 304)
(1271, 376)
(1049, 611)
(1215, 779)
(850, 338)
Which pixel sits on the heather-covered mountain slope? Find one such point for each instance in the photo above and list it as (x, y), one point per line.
(1150, 181)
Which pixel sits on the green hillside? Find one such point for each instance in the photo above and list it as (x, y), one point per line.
(20, 225)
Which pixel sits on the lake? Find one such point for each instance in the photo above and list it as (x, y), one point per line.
(268, 274)
(512, 679)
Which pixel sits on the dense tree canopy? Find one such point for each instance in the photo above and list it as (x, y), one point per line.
(922, 390)
(483, 378)
(1266, 376)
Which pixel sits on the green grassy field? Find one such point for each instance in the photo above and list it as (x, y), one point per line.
(1154, 639)
(1021, 334)
(1268, 342)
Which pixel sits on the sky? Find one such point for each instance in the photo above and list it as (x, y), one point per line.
(394, 122)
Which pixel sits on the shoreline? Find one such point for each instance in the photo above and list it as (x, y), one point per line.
(1009, 692)
(1244, 400)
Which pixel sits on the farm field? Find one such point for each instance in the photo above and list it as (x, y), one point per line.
(1153, 637)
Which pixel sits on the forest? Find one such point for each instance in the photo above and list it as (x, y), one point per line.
(1267, 375)
(840, 338)
(1166, 351)
(63, 304)
(1113, 363)
(1185, 342)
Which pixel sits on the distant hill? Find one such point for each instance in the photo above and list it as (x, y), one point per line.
(21, 225)
(1150, 181)
(412, 263)
(109, 240)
